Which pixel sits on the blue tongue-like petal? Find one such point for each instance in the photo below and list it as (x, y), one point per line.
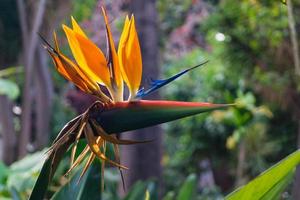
(156, 84)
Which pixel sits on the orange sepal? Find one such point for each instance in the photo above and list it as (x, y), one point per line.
(130, 57)
(113, 61)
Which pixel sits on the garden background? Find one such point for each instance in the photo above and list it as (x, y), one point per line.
(253, 59)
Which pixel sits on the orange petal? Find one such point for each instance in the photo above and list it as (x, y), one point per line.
(88, 56)
(113, 61)
(75, 48)
(129, 53)
(78, 73)
(95, 60)
(69, 73)
(73, 72)
(79, 76)
(76, 28)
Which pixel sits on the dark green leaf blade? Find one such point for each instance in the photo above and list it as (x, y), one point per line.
(48, 171)
(89, 186)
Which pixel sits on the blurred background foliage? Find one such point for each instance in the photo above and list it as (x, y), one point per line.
(250, 63)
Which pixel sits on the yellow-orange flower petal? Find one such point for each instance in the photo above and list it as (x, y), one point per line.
(71, 71)
(88, 56)
(76, 28)
(64, 67)
(95, 60)
(113, 61)
(67, 68)
(129, 53)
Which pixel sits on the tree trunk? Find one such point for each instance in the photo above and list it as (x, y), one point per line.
(144, 160)
(43, 100)
(296, 58)
(7, 130)
(293, 36)
(30, 41)
(239, 176)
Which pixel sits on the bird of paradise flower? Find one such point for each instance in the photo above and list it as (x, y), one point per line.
(111, 114)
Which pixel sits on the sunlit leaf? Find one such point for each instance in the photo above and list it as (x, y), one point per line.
(277, 190)
(10, 71)
(270, 183)
(9, 89)
(22, 174)
(188, 189)
(4, 171)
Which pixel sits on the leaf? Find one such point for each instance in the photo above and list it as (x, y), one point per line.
(11, 71)
(15, 194)
(137, 191)
(140, 114)
(142, 190)
(187, 191)
(4, 172)
(169, 196)
(9, 89)
(270, 183)
(23, 173)
(89, 186)
(48, 170)
(30, 163)
(275, 192)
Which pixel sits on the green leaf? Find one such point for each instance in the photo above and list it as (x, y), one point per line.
(10, 71)
(187, 191)
(15, 194)
(140, 114)
(142, 190)
(270, 183)
(23, 173)
(9, 89)
(275, 192)
(89, 186)
(4, 172)
(169, 196)
(48, 170)
(30, 163)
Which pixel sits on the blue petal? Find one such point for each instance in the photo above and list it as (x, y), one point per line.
(156, 84)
